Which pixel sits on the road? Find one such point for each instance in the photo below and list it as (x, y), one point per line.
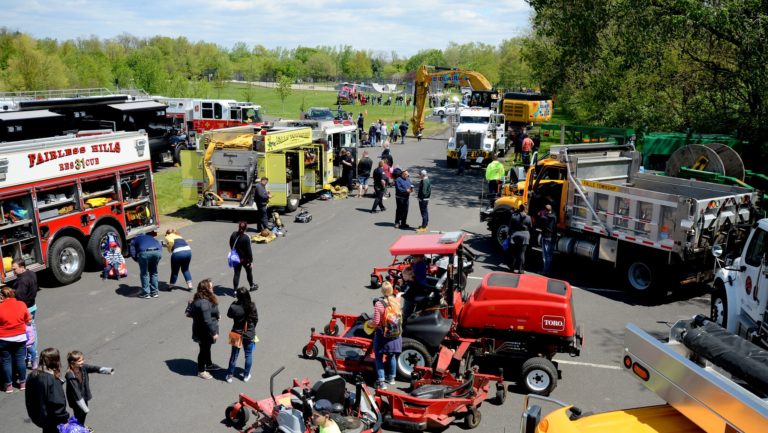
(316, 266)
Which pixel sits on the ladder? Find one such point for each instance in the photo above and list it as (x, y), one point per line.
(693, 385)
(9, 100)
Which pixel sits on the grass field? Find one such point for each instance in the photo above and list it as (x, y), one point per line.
(168, 192)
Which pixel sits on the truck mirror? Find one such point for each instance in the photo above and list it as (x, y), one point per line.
(717, 250)
(531, 418)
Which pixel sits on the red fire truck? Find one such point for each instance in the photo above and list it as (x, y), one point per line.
(205, 114)
(61, 198)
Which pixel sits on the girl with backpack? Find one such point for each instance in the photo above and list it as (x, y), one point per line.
(245, 317)
(387, 339)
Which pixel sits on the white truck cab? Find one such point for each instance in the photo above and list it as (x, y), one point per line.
(740, 298)
(482, 129)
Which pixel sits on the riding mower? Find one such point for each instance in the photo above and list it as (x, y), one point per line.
(518, 320)
(437, 398)
(291, 411)
(437, 259)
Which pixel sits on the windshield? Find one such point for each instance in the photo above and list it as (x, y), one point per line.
(474, 119)
(322, 114)
(251, 115)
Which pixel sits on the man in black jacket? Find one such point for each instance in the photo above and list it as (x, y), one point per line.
(261, 196)
(26, 291)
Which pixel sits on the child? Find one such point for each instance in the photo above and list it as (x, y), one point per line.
(78, 389)
(113, 259)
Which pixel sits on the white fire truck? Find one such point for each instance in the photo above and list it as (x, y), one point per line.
(206, 114)
(61, 198)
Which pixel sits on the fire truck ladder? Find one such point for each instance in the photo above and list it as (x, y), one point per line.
(15, 97)
(686, 373)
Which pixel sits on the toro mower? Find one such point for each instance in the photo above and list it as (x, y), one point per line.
(518, 321)
(291, 411)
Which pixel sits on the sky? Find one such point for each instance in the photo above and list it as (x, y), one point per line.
(383, 26)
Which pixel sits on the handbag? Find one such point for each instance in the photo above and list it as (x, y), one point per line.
(233, 259)
(236, 338)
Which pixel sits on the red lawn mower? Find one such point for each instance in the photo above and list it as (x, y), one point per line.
(518, 322)
(291, 411)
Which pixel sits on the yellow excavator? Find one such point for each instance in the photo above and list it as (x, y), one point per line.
(424, 77)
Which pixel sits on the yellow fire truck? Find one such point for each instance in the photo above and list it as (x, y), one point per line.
(234, 159)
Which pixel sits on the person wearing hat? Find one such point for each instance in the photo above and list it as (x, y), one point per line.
(321, 417)
(424, 193)
(112, 260)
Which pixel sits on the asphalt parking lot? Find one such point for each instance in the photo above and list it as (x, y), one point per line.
(318, 265)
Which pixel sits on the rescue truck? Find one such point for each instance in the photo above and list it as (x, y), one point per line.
(657, 230)
(201, 115)
(739, 300)
(711, 380)
(62, 198)
(235, 159)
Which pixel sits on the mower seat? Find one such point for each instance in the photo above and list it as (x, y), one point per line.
(330, 388)
(432, 392)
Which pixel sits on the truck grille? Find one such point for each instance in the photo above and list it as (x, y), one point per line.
(474, 140)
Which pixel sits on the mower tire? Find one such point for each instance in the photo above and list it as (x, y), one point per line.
(332, 332)
(538, 376)
(375, 283)
(414, 354)
(310, 354)
(239, 421)
(501, 394)
(473, 418)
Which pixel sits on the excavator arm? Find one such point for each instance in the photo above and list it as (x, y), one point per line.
(473, 79)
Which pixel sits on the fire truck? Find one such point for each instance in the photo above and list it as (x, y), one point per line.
(62, 198)
(206, 114)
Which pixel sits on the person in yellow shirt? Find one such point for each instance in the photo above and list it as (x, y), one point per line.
(181, 256)
(494, 175)
(321, 417)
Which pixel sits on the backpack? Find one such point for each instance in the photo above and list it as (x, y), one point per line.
(392, 322)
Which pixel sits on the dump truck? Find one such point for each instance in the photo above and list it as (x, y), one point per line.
(711, 380)
(651, 227)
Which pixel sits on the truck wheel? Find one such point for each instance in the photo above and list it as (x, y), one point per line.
(719, 305)
(292, 204)
(238, 421)
(177, 153)
(499, 233)
(414, 354)
(472, 419)
(642, 280)
(451, 162)
(97, 243)
(66, 258)
(539, 376)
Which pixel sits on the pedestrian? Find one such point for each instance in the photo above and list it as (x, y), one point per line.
(494, 174)
(205, 326)
(245, 317)
(241, 243)
(395, 131)
(145, 249)
(526, 148)
(403, 190)
(519, 146)
(321, 417)
(403, 131)
(347, 167)
(360, 124)
(424, 193)
(387, 154)
(379, 135)
(384, 131)
(462, 157)
(26, 291)
(547, 222)
(363, 174)
(519, 237)
(181, 256)
(45, 398)
(113, 261)
(261, 196)
(379, 187)
(387, 340)
(372, 134)
(78, 385)
(14, 318)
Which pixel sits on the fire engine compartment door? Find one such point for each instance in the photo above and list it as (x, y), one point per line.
(312, 169)
(274, 169)
(294, 172)
(191, 173)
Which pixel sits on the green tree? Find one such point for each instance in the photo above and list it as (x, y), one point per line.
(320, 66)
(283, 89)
(33, 69)
(431, 57)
